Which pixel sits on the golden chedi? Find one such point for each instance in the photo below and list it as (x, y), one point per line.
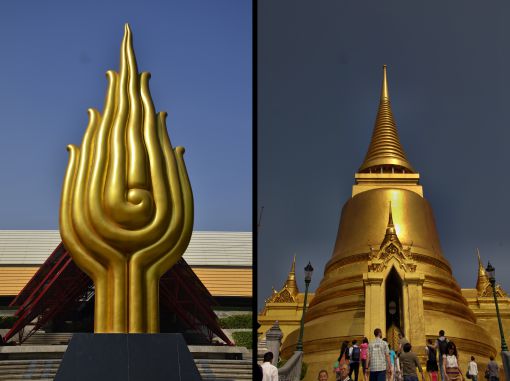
(387, 270)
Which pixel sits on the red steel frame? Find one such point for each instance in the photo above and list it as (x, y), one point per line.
(59, 286)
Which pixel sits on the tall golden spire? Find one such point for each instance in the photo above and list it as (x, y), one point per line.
(385, 152)
(289, 291)
(481, 270)
(482, 282)
(391, 233)
(291, 283)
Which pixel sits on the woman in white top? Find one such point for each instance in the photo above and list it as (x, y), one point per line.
(473, 369)
(451, 364)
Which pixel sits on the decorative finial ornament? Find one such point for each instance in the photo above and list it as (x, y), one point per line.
(384, 89)
(390, 218)
(126, 213)
(481, 270)
(291, 283)
(385, 153)
(391, 232)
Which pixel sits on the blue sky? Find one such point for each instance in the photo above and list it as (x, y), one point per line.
(54, 58)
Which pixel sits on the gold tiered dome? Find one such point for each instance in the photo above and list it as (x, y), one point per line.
(385, 151)
(387, 254)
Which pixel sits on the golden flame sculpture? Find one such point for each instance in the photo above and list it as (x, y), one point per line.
(127, 207)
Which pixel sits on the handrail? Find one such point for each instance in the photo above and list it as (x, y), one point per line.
(291, 370)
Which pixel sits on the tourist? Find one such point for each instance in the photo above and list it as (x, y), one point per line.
(398, 369)
(392, 360)
(401, 341)
(269, 371)
(493, 370)
(473, 369)
(364, 350)
(451, 367)
(323, 375)
(354, 358)
(432, 366)
(408, 363)
(378, 358)
(441, 344)
(343, 374)
(343, 357)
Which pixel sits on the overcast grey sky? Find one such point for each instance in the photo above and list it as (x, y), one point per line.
(319, 72)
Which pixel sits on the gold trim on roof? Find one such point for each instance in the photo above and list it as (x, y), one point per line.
(385, 151)
(289, 291)
(391, 248)
(483, 285)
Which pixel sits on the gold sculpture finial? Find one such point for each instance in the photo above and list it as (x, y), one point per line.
(127, 208)
(385, 153)
(293, 267)
(384, 90)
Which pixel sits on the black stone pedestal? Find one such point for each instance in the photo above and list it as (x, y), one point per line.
(122, 357)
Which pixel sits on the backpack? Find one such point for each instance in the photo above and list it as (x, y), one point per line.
(432, 354)
(442, 344)
(355, 354)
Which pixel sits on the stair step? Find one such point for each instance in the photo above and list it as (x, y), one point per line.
(223, 361)
(46, 369)
(7, 368)
(41, 376)
(225, 371)
(28, 362)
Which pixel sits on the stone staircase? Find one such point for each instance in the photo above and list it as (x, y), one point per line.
(261, 349)
(40, 356)
(42, 370)
(45, 370)
(224, 370)
(48, 338)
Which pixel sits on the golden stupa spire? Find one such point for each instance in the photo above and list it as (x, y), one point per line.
(481, 270)
(390, 220)
(289, 291)
(391, 233)
(291, 283)
(385, 152)
(482, 282)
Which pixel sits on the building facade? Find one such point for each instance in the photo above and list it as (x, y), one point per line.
(222, 261)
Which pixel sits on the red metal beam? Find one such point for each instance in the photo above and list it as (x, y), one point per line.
(57, 286)
(38, 276)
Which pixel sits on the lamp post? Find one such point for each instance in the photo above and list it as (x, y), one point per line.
(491, 272)
(505, 355)
(308, 279)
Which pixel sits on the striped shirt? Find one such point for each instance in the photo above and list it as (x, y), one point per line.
(377, 351)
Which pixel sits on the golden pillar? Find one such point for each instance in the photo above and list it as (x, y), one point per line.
(414, 314)
(127, 207)
(374, 301)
